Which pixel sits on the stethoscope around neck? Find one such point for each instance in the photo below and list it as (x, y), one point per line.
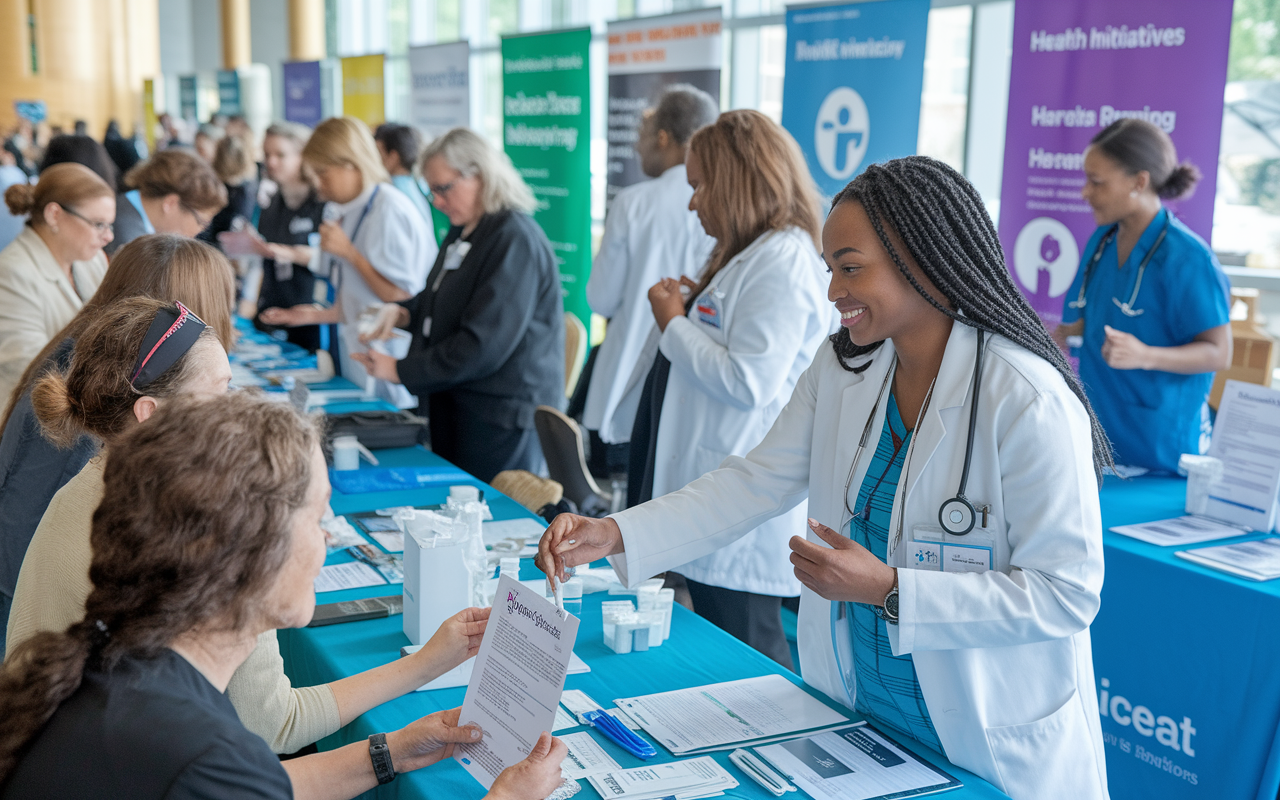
(956, 515)
(1126, 307)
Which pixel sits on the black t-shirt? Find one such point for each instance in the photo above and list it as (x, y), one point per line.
(148, 729)
(280, 224)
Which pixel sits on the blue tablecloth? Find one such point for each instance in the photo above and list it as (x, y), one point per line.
(1194, 649)
(697, 653)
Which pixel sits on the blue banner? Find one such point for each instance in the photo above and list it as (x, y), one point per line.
(229, 93)
(302, 92)
(188, 97)
(851, 92)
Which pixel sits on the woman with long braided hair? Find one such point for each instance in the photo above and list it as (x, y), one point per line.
(950, 599)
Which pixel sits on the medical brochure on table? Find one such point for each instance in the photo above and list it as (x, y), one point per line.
(723, 716)
(855, 764)
(697, 777)
(1180, 530)
(517, 679)
(1258, 560)
(1246, 437)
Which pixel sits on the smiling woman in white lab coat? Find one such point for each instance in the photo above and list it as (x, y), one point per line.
(977, 640)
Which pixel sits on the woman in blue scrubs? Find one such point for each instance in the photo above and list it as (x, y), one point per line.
(1149, 299)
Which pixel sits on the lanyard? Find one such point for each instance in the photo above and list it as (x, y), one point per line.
(1127, 306)
(335, 265)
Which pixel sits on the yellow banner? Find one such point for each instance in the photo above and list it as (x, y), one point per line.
(362, 90)
(150, 120)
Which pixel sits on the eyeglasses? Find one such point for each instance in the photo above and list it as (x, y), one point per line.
(204, 223)
(443, 189)
(99, 227)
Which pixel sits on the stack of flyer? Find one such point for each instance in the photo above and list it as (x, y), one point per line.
(697, 777)
(1258, 560)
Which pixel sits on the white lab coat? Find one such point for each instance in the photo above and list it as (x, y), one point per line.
(1003, 657)
(401, 247)
(650, 234)
(727, 385)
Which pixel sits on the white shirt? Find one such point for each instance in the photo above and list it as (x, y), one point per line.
(400, 246)
(650, 234)
(1003, 656)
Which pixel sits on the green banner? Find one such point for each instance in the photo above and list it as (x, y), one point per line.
(546, 95)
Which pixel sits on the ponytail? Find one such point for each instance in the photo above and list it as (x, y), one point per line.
(1180, 182)
(60, 418)
(20, 198)
(38, 676)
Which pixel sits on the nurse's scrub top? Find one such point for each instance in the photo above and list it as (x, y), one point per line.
(1152, 417)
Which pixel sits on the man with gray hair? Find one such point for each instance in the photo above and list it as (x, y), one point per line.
(649, 234)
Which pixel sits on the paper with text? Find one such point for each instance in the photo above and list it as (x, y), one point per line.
(1246, 436)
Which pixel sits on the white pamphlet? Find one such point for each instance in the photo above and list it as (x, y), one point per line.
(351, 575)
(1246, 436)
(1257, 560)
(586, 757)
(516, 680)
(698, 777)
(563, 720)
(1180, 530)
(723, 716)
(855, 764)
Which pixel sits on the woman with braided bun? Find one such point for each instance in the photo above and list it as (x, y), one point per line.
(208, 535)
(1150, 301)
(953, 558)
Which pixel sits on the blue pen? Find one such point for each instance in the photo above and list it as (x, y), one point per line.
(604, 722)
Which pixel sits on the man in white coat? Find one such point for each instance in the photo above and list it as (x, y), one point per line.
(650, 234)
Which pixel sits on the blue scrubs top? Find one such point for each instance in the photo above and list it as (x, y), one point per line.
(1151, 417)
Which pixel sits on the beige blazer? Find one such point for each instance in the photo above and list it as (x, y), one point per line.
(37, 300)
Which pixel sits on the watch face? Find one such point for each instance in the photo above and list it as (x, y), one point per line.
(891, 604)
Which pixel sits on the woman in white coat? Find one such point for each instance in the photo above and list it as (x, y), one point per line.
(985, 629)
(722, 362)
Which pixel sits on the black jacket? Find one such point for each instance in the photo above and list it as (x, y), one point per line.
(496, 344)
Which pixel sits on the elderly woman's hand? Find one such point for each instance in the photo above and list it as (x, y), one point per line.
(667, 301)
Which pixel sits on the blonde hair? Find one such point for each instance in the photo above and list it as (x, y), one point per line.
(232, 162)
(754, 179)
(471, 154)
(66, 184)
(346, 142)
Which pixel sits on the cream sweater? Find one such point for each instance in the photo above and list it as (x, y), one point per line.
(54, 584)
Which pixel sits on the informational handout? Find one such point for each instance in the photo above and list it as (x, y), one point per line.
(1257, 560)
(461, 674)
(586, 757)
(727, 715)
(564, 720)
(1246, 436)
(855, 764)
(351, 575)
(697, 777)
(1180, 530)
(517, 679)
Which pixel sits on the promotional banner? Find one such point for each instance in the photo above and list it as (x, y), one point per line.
(302, 92)
(1078, 67)
(851, 91)
(546, 100)
(645, 56)
(440, 97)
(229, 93)
(362, 89)
(150, 118)
(189, 97)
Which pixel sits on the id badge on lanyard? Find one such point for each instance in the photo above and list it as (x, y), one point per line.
(335, 265)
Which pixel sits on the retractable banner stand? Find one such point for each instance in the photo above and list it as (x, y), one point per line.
(645, 56)
(440, 75)
(1077, 67)
(229, 93)
(851, 91)
(547, 133)
(188, 97)
(362, 89)
(302, 92)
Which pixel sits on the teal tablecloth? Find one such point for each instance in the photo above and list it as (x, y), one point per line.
(1195, 647)
(697, 653)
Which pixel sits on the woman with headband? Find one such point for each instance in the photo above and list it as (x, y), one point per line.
(199, 546)
(137, 355)
(32, 468)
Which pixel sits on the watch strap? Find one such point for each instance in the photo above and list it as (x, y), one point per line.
(380, 755)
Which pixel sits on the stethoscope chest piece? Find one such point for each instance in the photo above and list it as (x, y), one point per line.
(957, 516)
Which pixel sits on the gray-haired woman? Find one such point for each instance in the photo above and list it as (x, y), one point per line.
(488, 329)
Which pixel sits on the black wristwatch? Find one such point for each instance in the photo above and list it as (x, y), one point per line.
(889, 611)
(380, 754)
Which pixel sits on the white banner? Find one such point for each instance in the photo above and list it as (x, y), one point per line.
(440, 97)
(671, 43)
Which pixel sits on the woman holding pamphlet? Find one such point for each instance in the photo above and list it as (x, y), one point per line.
(198, 550)
(950, 460)
(1150, 301)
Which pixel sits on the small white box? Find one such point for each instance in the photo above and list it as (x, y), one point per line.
(437, 585)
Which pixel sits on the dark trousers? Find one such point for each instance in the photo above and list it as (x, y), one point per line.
(484, 450)
(752, 618)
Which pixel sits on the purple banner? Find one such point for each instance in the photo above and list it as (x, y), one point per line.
(1079, 65)
(302, 92)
